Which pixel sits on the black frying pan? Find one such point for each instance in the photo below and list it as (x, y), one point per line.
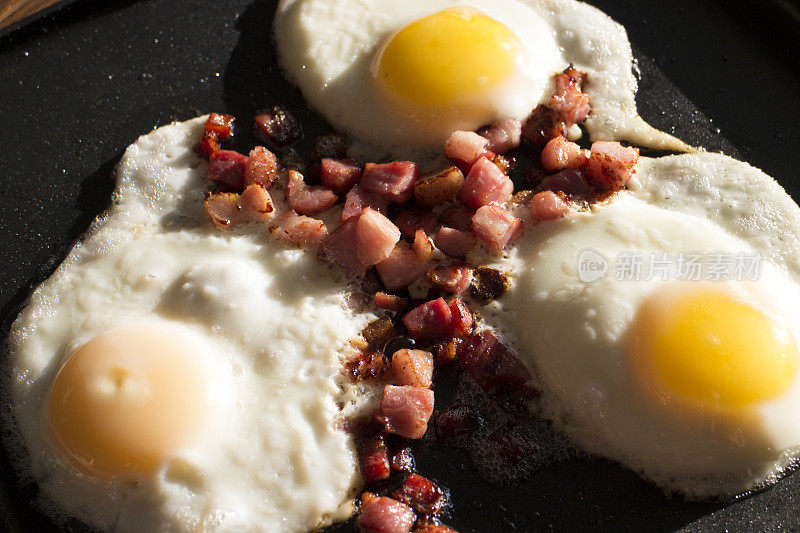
(80, 83)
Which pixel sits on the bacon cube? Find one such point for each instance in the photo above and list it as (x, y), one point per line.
(454, 243)
(454, 278)
(412, 367)
(277, 126)
(462, 320)
(374, 459)
(547, 205)
(357, 199)
(542, 125)
(305, 199)
(421, 494)
(490, 362)
(385, 515)
(226, 209)
(611, 165)
(486, 184)
(405, 410)
(339, 248)
(559, 154)
(394, 181)
(339, 175)
(219, 125)
(299, 230)
(227, 167)
(261, 168)
(376, 237)
(390, 302)
(571, 182)
(440, 187)
(569, 100)
(503, 135)
(465, 147)
(495, 226)
(422, 246)
(401, 268)
(429, 322)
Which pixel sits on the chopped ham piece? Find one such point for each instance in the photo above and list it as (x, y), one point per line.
(261, 167)
(412, 367)
(401, 268)
(227, 167)
(357, 199)
(221, 126)
(457, 217)
(422, 246)
(339, 247)
(571, 182)
(453, 242)
(465, 147)
(495, 226)
(485, 184)
(503, 135)
(385, 515)
(490, 362)
(611, 165)
(390, 302)
(559, 153)
(332, 146)
(277, 126)
(369, 366)
(542, 125)
(299, 230)
(430, 321)
(453, 278)
(462, 320)
(440, 187)
(410, 220)
(405, 410)
(376, 237)
(403, 460)
(226, 209)
(394, 181)
(339, 175)
(421, 494)
(305, 199)
(571, 103)
(374, 459)
(547, 205)
(207, 145)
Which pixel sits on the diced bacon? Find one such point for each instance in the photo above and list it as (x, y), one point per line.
(410, 220)
(412, 367)
(457, 217)
(390, 302)
(429, 322)
(495, 226)
(277, 126)
(339, 247)
(369, 365)
(571, 182)
(462, 320)
(453, 242)
(542, 125)
(503, 135)
(490, 362)
(401, 268)
(357, 199)
(576, 75)
(368, 498)
(394, 181)
(441, 187)
(219, 125)
(453, 278)
(547, 205)
(405, 410)
(374, 459)
(226, 209)
(261, 167)
(559, 153)
(421, 494)
(299, 230)
(611, 165)
(376, 237)
(339, 175)
(305, 199)
(465, 147)
(422, 246)
(207, 145)
(403, 460)
(571, 103)
(227, 167)
(385, 515)
(485, 184)
(490, 284)
(332, 146)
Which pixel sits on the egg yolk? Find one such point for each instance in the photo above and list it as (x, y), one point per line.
(126, 399)
(705, 345)
(446, 57)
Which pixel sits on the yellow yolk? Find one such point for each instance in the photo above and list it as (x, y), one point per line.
(447, 57)
(704, 345)
(127, 398)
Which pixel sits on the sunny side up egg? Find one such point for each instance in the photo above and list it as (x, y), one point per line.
(168, 377)
(689, 377)
(402, 75)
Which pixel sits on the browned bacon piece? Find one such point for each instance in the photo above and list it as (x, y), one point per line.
(503, 135)
(299, 230)
(261, 167)
(430, 321)
(454, 278)
(226, 209)
(357, 199)
(461, 318)
(465, 147)
(374, 459)
(227, 167)
(403, 461)
(390, 302)
(405, 410)
(542, 125)
(338, 247)
(369, 365)
(412, 367)
(453, 242)
(207, 145)
(457, 217)
(489, 285)
(495, 226)
(547, 205)
(571, 182)
(339, 175)
(422, 246)
(376, 237)
(410, 220)
(440, 187)
(485, 184)
(569, 100)
(219, 125)
(559, 154)
(401, 268)
(490, 362)
(385, 515)
(277, 126)
(611, 165)
(394, 181)
(332, 146)
(421, 494)
(308, 199)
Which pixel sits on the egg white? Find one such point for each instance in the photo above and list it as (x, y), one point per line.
(272, 321)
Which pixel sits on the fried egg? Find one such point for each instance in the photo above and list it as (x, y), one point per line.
(168, 377)
(689, 379)
(407, 74)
